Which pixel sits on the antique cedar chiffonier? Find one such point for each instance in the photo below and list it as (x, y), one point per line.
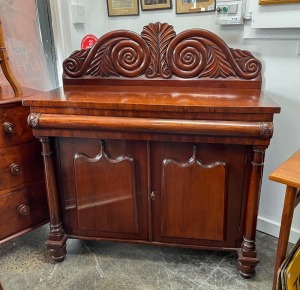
(156, 138)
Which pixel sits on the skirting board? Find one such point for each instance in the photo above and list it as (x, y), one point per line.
(272, 228)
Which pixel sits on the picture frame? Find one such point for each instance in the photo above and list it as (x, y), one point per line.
(155, 4)
(195, 6)
(122, 7)
(269, 2)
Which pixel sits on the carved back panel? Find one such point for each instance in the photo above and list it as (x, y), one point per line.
(193, 57)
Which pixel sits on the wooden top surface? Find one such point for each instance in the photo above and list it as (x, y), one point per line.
(180, 99)
(288, 172)
(7, 95)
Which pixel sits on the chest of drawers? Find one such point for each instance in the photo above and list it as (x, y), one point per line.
(23, 202)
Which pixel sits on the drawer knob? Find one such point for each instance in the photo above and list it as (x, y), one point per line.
(8, 127)
(23, 209)
(15, 169)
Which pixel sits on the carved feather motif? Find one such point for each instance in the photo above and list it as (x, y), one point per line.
(158, 37)
(217, 65)
(101, 64)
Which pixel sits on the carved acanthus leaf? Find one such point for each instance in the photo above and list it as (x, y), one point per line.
(102, 64)
(217, 65)
(158, 37)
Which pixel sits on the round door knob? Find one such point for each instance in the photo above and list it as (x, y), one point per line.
(23, 209)
(15, 169)
(8, 127)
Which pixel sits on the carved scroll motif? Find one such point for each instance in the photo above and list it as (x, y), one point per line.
(200, 53)
(266, 130)
(33, 120)
(118, 53)
(159, 53)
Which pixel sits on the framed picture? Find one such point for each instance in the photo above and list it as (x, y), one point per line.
(156, 4)
(194, 6)
(122, 7)
(267, 2)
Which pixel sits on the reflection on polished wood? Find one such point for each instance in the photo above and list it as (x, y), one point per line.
(5, 65)
(149, 146)
(178, 209)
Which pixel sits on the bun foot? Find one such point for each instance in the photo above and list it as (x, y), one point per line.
(57, 249)
(247, 262)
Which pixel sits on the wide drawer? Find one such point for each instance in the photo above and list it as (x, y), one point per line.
(14, 129)
(23, 209)
(21, 165)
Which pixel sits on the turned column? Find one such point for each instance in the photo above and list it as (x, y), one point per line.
(56, 242)
(248, 260)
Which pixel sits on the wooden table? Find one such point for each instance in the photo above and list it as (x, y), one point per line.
(287, 173)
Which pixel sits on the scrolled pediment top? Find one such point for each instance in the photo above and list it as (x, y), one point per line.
(158, 52)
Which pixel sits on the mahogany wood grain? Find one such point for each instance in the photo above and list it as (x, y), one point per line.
(262, 130)
(23, 202)
(155, 98)
(20, 165)
(91, 191)
(247, 254)
(216, 224)
(14, 129)
(187, 198)
(56, 242)
(14, 221)
(49, 174)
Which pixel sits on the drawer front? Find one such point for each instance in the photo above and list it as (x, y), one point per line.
(21, 165)
(14, 129)
(22, 209)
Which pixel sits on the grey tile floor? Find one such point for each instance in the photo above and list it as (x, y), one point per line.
(25, 264)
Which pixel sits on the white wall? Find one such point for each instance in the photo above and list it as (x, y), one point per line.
(281, 79)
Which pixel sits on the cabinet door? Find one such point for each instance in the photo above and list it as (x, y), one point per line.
(198, 193)
(103, 187)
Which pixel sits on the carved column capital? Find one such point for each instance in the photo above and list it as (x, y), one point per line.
(33, 120)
